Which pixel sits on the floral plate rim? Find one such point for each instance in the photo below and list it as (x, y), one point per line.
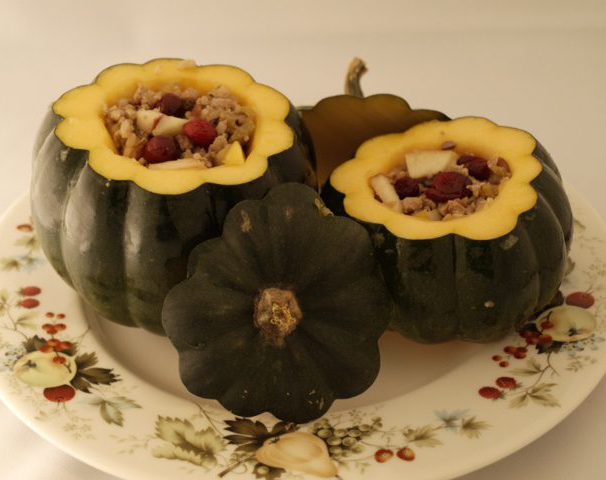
(70, 396)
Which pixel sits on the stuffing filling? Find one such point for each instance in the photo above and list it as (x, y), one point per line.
(441, 184)
(179, 127)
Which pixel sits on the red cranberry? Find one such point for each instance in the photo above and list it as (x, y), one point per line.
(490, 392)
(503, 364)
(160, 149)
(477, 166)
(497, 358)
(506, 382)
(448, 186)
(510, 349)
(519, 355)
(61, 394)
(580, 299)
(30, 291)
(407, 187)
(171, 104)
(451, 182)
(437, 196)
(200, 132)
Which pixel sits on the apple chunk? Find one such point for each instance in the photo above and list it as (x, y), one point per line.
(427, 163)
(386, 192)
(233, 155)
(156, 123)
(147, 119)
(169, 126)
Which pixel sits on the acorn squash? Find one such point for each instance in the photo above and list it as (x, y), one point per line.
(120, 233)
(471, 278)
(283, 312)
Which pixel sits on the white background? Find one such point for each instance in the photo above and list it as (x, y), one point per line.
(539, 65)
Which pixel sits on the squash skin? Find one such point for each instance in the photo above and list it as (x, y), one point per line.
(273, 243)
(520, 280)
(124, 262)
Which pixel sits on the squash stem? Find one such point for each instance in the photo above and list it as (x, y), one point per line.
(356, 69)
(277, 314)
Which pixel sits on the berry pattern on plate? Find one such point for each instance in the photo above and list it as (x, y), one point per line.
(561, 337)
(27, 259)
(46, 359)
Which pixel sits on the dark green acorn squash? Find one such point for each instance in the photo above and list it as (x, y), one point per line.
(471, 278)
(283, 312)
(338, 125)
(120, 233)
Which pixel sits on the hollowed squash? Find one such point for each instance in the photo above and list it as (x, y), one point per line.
(120, 233)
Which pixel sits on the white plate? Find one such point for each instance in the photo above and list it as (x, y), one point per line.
(138, 421)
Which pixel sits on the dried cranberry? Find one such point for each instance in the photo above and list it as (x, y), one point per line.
(477, 166)
(160, 149)
(407, 187)
(171, 104)
(200, 132)
(451, 182)
(439, 197)
(448, 186)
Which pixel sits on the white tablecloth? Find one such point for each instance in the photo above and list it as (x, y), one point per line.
(538, 65)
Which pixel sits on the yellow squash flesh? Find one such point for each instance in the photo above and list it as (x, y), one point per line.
(472, 135)
(83, 127)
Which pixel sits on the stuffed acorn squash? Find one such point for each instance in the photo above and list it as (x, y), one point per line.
(118, 207)
(283, 312)
(470, 221)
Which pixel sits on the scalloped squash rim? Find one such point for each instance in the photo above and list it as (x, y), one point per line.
(471, 134)
(82, 126)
